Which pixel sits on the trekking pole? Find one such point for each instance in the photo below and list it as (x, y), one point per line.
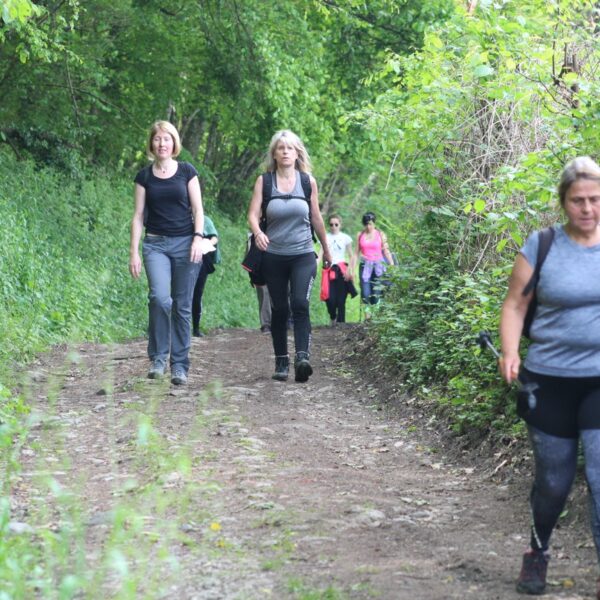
(484, 339)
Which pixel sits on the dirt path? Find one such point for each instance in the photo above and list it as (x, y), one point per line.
(240, 487)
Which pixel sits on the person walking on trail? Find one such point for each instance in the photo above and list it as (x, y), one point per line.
(207, 267)
(338, 278)
(373, 253)
(280, 216)
(264, 300)
(264, 308)
(562, 362)
(168, 193)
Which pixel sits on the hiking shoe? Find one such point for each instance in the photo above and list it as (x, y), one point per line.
(197, 333)
(282, 367)
(265, 329)
(302, 367)
(178, 377)
(532, 579)
(157, 370)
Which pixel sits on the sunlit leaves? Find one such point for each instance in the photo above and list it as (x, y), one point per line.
(18, 10)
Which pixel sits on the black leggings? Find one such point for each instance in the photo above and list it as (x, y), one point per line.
(555, 467)
(197, 297)
(296, 273)
(338, 292)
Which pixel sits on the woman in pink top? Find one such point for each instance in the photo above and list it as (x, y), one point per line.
(372, 250)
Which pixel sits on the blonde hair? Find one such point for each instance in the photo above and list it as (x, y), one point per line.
(582, 167)
(169, 128)
(303, 163)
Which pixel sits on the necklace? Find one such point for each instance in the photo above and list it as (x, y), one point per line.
(163, 167)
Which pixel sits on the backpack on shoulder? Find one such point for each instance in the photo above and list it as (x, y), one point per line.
(545, 241)
(253, 260)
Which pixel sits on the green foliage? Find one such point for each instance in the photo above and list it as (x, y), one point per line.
(228, 74)
(64, 264)
(476, 132)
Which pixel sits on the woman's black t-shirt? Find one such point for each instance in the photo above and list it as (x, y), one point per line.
(168, 205)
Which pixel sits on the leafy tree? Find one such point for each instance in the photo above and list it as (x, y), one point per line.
(474, 135)
(227, 73)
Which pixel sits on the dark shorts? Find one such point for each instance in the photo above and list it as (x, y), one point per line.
(564, 405)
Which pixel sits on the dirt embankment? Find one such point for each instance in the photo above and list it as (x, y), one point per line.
(237, 486)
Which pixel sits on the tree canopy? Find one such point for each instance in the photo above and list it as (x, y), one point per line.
(86, 79)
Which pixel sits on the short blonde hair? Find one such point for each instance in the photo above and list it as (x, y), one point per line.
(169, 128)
(303, 163)
(582, 167)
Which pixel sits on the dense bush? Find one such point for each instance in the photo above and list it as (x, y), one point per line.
(481, 122)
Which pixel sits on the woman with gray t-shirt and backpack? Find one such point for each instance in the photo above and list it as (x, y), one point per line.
(283, 211)
(562, 363)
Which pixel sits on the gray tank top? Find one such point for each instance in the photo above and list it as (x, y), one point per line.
(288, 223)
(565, 333)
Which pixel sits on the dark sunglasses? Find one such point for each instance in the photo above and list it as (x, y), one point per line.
(334, 224)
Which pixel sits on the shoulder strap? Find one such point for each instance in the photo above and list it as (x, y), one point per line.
(546, 238)
(267, 188)
(306, 187)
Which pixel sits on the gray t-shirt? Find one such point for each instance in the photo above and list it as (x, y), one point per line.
(565, 332)
(288, 223)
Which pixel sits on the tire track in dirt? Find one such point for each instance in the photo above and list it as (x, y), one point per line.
(237, 486)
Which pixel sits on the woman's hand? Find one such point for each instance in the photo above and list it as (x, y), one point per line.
(261, 240)
(135, 265)
(509, 367)
(196, 250)
(327, 258)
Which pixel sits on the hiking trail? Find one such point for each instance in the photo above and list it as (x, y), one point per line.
(236, 486)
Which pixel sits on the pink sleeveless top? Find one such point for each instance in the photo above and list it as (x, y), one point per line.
(371, 249)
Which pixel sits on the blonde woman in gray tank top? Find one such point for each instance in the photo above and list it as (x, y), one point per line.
(284, 235)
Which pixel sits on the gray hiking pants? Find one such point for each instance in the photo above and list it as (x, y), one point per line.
(171, 279)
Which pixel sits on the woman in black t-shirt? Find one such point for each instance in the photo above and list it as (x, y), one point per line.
(168, 203)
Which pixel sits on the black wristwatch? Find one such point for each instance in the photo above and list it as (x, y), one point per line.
(200, 235)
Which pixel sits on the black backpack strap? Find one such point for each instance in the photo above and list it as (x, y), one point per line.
(306, 186)
(267, 188)
(546, 238)
(307, 189)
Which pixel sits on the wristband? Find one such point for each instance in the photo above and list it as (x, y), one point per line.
(200, 235)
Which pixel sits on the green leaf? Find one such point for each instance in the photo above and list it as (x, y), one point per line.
(483, 71)
(479, 205)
